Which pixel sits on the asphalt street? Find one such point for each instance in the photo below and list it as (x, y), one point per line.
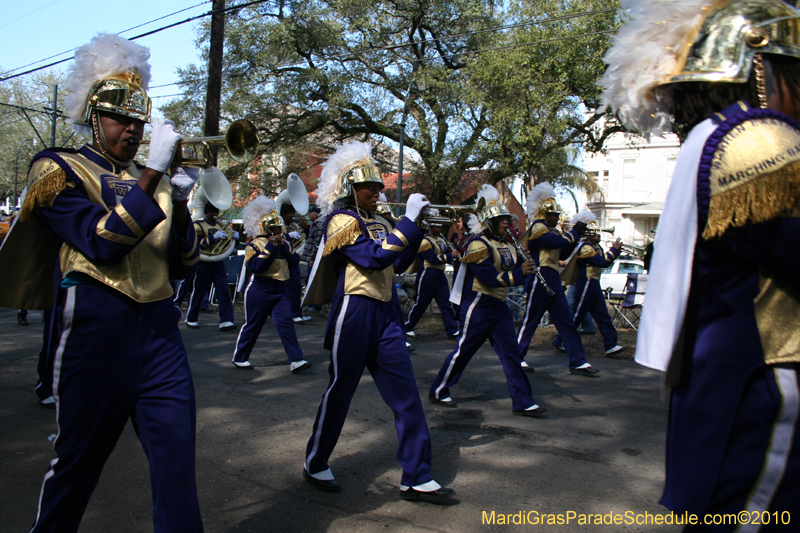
(600, 453)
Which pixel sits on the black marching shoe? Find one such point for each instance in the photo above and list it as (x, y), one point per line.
(539, 412)
(435, 496)
(443, 403)
(22, 320)
(327, 485)
(588, 371)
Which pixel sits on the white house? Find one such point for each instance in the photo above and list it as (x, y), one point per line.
(633, 176)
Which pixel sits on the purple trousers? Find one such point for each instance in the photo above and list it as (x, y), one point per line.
(368, 334)
(118, 360)
(486, 317)
(264, 297)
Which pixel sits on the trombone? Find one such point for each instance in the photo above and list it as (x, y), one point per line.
(241, 142)
(452, 212)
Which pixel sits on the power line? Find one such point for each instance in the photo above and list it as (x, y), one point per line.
(120, 33)
(157, 30)
(29, 14)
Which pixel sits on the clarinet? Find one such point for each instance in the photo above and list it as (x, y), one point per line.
(536, 271)
(453, 249)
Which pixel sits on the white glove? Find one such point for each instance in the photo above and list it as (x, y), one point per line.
(220, 234)
(416, 202)
(294, 235)
(183, 180)
(163, 142)
(236, 235)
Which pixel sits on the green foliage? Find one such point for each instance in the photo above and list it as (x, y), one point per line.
(501, 89)
(18, 127)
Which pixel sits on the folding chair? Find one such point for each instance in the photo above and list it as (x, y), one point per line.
(628, 309)
(233, 267)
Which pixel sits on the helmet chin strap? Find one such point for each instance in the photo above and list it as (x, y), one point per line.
(102, 142)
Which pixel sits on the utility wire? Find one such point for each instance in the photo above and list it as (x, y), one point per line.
(120, 33)
(157, 30)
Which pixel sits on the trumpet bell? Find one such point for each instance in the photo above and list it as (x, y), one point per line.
(241, 141)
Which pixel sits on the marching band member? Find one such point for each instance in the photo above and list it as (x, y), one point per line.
(591, 260)
(547, 245)
(295, 236)
(209, 230)
(114, 232)
(432, 283)
(723, 312)
(354, 270)
(268, 261)
(493, 265)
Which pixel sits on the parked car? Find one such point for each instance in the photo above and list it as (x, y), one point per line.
(616, 275)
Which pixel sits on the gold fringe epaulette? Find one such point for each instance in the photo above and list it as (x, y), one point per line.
(586, 252)
(477, 251)
(758, 200)
(249, 253)
(343, 230)
(49, 180)
(537, 231)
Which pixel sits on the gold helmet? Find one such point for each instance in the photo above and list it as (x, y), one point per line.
(260, 215)
(271, 220)
(121, 94)
(548, 206)
(110, 74)
(364, 171)
(591, 229)
(351, 163)
(730, 37)
(489, 204)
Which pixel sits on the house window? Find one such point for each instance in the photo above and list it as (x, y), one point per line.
(629, 168)
(670, 169)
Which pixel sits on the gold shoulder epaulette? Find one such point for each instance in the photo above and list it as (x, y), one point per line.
(249, 253)
(537, 230)
(477, 251)
(586, 252)
(425, 245)
(755, 175)
(343, 230)
(46, 180)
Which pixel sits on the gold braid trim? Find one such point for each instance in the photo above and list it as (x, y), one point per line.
(43, 192)
(343, 230)
(758, 200)
(249, 253)
(537, 231)
(476, 252)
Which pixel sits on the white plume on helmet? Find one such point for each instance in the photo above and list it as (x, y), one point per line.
(538, 194)
(328, 185)
(584, 216)
(252, 213)
(382, 197)
(644, 54)
(105, 55)
(488, 193)
(475, 227)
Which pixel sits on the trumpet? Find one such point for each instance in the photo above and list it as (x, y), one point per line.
(241, 142)
(632, 249)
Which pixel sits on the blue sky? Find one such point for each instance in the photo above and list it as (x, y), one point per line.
(36, 29)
